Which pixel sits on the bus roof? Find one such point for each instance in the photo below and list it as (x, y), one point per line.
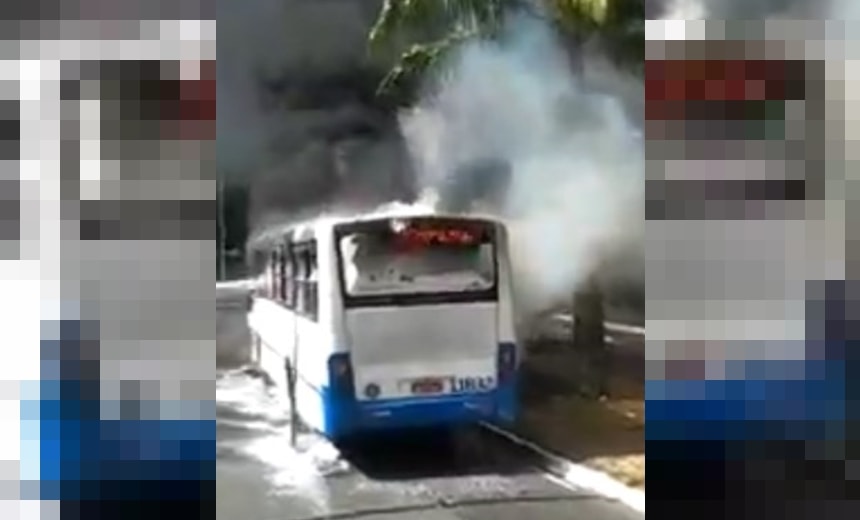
(324, 224)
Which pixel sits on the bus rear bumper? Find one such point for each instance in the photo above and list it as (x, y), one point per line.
(498, 407)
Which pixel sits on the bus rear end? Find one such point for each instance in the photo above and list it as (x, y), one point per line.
(428, 324)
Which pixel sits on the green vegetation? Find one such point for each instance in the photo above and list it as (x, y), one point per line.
(425, 31)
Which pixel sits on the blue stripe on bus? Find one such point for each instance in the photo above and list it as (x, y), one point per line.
(344, 415)
(811, 408)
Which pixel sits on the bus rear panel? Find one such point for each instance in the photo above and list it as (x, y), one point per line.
(427, 326)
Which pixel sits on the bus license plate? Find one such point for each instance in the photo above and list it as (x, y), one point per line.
(428, 386)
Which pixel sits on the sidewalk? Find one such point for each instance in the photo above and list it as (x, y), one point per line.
(606, 435)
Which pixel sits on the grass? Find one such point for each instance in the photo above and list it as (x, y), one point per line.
(606, 434)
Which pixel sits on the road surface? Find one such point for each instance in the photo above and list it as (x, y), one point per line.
(465, 476)
(470, 475)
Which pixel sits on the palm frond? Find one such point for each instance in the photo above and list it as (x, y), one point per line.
(444, 22)
(419, 59)
(623, 33)
(579, 15)
(619, 24)
(387, 23)
(402, 16)
(481, 13)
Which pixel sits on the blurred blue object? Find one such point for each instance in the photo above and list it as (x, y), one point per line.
(85, 458)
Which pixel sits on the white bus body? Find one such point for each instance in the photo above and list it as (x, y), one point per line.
(391, 322)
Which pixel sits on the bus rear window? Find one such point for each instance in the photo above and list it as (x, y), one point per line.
(417, 259)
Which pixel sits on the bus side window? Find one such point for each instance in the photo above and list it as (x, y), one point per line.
(300, 255)
(282, 273)
(313, 284)
(273, 293)
(271, 275)
(290, 279)
(306, 280)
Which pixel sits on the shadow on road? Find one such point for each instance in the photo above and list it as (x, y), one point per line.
(435, 453)
(248, 412)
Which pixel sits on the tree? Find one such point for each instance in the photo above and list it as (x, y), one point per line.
(231, 225)
(430, 29)
(589, 339)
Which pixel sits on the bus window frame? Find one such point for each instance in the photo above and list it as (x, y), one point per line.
(307, 301)
(490, 294)
(282, 271)
(271, 275)
(289, 276)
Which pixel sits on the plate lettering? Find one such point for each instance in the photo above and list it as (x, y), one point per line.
(471, 384)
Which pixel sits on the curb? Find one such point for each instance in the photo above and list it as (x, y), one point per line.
(628, 329)
(610, 325)
(579, 475)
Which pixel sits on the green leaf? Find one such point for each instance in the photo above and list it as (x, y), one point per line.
(386, 24)
(419, 59)
(618, 24)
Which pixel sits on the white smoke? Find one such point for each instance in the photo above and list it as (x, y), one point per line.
(751, 10)
(577, 160)
(685, 10)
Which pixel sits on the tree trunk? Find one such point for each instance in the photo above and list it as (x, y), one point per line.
(589, 339)
(588, 328)
(573, 42)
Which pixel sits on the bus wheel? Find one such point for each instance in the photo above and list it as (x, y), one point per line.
(291, 396)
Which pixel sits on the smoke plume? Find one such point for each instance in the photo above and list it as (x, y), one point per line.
(297, 118)
(575, 157)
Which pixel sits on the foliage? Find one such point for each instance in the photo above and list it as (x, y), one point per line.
(402, 79)
(441, 25)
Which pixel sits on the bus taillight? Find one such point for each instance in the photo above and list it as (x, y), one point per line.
(507, 361)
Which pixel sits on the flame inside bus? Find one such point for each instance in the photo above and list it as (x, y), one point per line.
(417, 256)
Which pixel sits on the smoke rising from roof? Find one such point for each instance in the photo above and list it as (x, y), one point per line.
(575, 158)
(298, 121)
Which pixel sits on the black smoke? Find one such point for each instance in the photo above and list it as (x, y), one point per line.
(299, 124)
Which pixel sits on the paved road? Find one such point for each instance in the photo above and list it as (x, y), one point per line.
(467, 476)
